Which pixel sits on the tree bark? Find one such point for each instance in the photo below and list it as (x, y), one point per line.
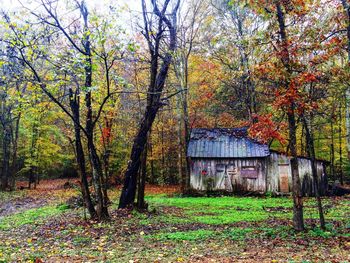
(80, 157)
(158, 76)
(312, 155)
(298, 219)
(346, 7)
(340, 146)
(141, 204)
(97, 171)
(332, 157)
(13, 169)
(129, 189)
(5, 173)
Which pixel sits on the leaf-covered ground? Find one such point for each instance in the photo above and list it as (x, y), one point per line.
(37, 226)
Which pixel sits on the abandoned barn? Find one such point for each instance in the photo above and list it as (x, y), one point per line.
(227, 159)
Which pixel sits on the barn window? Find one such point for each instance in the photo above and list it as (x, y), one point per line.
(249, 172)
(220, 168)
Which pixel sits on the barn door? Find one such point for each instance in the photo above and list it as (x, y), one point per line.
(220, 176)
(283, 177)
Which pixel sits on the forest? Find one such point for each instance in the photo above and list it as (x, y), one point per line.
(102, 106)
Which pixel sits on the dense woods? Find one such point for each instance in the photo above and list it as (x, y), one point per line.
(109, 92)
(107, 95)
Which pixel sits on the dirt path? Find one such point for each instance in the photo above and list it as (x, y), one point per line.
(48, 191)
(20, 204)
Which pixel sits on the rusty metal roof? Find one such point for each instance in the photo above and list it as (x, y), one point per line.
(225, 143)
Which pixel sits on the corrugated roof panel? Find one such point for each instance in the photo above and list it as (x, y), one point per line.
(224, 143)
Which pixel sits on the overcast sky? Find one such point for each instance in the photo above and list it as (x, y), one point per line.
(134, 5)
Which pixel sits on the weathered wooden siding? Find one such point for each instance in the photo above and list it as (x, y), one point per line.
(279, 164)
(272, 174)
(226, 174)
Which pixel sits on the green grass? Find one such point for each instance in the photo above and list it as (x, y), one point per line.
(185, 226)
(227, 210)
(30, 216)
(192, 235)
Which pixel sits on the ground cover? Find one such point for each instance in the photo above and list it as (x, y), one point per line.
(175, 229)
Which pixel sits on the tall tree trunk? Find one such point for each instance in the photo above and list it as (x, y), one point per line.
(312, 155)
(298, 218)
(74, 105)
(153, 175)
(13, 169)
(83, 174)
(129, 189)
(141, 204)
(181, 69)
(340, 146)
(346, 7)
(158, 76)
(5, 173)
(181, 174)
(97, 171)
(99, 183)
(163, 167)
(332, 157)
(33, 155)
(187, 131)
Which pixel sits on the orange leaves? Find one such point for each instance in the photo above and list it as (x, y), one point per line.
(265, 129)
(106, 133)
(308, 77)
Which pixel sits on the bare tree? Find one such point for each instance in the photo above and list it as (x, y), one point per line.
(188, 29)
(160, 33)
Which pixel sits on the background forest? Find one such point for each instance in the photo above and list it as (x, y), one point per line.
(227, 71)
(97, 103)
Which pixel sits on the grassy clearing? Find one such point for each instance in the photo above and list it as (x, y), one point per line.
(180, 230)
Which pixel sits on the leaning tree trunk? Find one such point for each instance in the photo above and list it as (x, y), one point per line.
(158, 76)
(141, 204)
(129, 189)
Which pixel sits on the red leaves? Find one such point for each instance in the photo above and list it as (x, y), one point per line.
(209, 95)
(106, 135)
(265, 129)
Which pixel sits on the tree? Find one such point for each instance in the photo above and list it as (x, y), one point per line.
(190, 19)
(11, 89)
(346, 7)
(160, 33)
(73, 65)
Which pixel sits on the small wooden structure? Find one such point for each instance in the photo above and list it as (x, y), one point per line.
(227, 159)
